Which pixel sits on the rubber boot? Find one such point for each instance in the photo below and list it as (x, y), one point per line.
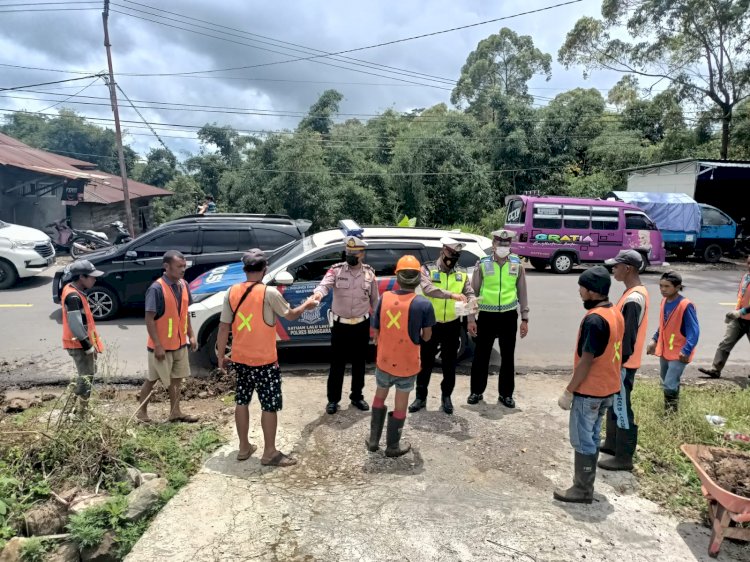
(609, 445)
(671, 401)
(377, 421)
(582, 490)
(627, 439)
(393, 438)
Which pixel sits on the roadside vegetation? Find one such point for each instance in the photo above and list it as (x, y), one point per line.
(48, 458)
(666, 475)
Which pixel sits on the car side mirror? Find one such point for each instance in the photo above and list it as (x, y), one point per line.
(283, 278)
(130, 254)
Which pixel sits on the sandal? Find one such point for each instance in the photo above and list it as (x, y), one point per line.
(244, 456)
(279, 459)
(186, 418)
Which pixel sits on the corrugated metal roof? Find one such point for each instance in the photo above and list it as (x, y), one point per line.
(109, 190)
(19, 155)
(101, 187)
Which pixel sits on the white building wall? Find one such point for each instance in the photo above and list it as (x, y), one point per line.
(670, 178)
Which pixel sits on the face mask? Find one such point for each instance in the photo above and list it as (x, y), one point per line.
(352, 260)
(588, 305)
(502, 252)
(449, 262)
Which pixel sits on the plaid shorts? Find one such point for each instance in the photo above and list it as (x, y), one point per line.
(265, 379)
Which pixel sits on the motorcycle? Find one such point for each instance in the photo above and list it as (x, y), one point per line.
(81, 242)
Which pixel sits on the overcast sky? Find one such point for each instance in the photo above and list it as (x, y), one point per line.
(73, 41)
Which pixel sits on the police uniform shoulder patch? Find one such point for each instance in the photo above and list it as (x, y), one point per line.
(338, 265)
(514, 258)
(459, 276)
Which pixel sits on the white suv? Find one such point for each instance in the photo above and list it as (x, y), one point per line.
(298, 267)
(24, 252)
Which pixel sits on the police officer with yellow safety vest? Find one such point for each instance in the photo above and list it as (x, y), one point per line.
(80, 338)
(500, 282)
(355, 293)
(444, 283)
(169, 336)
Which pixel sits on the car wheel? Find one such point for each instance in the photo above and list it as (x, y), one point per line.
(103, 302)
(211, 346)
(712, 254)
(8, 275)
(562, 263)
(539, 264)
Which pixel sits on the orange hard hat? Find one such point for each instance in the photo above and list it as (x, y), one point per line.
(408, 262)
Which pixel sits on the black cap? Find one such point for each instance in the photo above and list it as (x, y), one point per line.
(254, 256)
(596, 279)
(84, 267)
(673, 277)
(627, 257)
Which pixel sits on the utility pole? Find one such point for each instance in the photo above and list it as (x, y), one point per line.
(118, 132)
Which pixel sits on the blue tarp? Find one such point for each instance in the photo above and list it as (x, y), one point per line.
(670, 211)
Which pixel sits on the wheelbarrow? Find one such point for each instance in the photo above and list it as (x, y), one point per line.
(724, 507)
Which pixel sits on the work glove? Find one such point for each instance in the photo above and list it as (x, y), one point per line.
(566, 400)
(734, 315)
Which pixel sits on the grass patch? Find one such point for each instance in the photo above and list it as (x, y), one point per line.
(666, 475)
(39, 455)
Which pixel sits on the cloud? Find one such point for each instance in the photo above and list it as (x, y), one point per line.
(73, 40)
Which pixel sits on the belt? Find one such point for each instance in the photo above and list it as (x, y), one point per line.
(355, 320)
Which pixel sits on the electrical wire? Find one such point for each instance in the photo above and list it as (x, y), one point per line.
(71, 96)
(46, 83)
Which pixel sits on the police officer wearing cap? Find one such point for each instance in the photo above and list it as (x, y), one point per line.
(500, 282)
(444, 283)
(355, 293)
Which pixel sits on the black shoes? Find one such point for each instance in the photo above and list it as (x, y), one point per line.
(361, 404)
(417, 405)
(474, 398)
(332, 408)
(713, 373)
(507, 401)
(447, 404)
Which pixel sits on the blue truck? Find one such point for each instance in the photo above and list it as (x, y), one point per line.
(688, 228)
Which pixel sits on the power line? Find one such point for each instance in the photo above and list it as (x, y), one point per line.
(336, 53)
(283, 44)
(264, 49)
(46, 83)
(71, 96)
(46, 10)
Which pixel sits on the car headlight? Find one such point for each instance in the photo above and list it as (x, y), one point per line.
(24, 244)
(201, 297)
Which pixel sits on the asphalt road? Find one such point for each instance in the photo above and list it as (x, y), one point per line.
(30, 324)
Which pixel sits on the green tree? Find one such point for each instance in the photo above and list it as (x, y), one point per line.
(187, 196)
(701, 48)
(69, 134)
(160, 167)
(502, 64)
(319, 118)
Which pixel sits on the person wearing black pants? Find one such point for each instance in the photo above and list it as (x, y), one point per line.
(444, 283)
(349, 344)
(490, 326)
(500, 282)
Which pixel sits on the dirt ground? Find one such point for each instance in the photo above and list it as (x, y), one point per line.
(729, 469)
(477, 486)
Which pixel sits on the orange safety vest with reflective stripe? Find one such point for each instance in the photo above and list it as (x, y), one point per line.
(634, 361)
(253, 341)
(604, 377)
(671, 341)
(69, 340)
(397, 354)
(172, 326)
(743, 297)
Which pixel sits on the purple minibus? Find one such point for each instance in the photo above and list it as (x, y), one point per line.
(564, 231)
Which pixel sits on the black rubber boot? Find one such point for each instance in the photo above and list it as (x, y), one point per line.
(417, 405)
(671, 401)
(377, 421)
(582, 490)
(447, 404)
(609, 445)
(627, 439)
(393, 438)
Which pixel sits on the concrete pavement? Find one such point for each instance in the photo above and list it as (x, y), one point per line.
(30, 325)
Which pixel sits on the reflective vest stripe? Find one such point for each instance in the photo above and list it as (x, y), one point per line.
(498, 291)
(604, 377)
(253, 341)
(170, 338)
(69, 340)
(397, 355)
(445, 309)
(671, 341)
(634, 361)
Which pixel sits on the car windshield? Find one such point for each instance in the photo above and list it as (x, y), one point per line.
(290, 251)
